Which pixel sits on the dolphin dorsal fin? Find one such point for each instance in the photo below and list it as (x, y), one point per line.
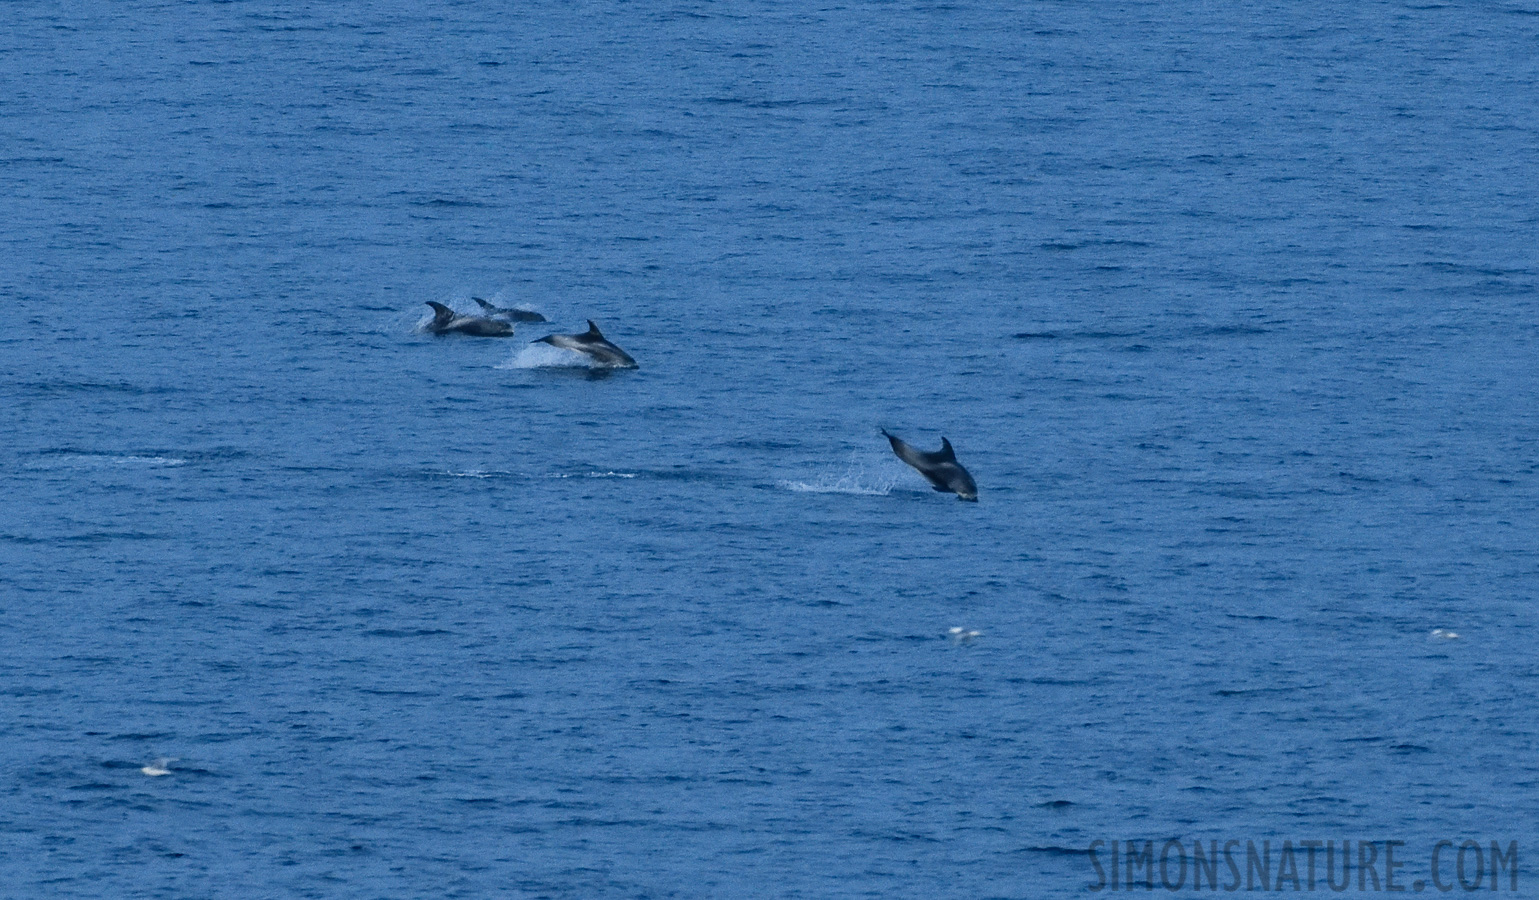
(441, 313)
(484, 305)
(593, 329)
(946, 452)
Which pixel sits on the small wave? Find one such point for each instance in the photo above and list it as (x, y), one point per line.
(1083, 335)
(1236, 330)
(89, 537)
(1053, 850)
(56, 388)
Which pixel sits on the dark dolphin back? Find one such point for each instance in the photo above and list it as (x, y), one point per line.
(909, 453)
(940, 468)
(517, 315)
(484, 327)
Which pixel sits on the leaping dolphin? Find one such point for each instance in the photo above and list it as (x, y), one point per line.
(447, 321)
(514, 315)
(940, 468)
(593, 345)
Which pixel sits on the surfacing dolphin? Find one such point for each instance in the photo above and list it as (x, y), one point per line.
(940, 468)
(593, 345)
(504, 312)
(447, 321)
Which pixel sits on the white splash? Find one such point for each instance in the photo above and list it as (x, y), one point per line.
(1445, 634)
(159, 767)
(536, 355)
(854, 480)
(960, 635)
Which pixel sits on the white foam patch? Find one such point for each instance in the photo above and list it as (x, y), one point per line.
(500, 473)
(96, 461)
(544, 356)
(159, 767)
(855, 479)
(149, 461)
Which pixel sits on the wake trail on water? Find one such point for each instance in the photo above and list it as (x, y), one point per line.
(101, 460)
(501, 473)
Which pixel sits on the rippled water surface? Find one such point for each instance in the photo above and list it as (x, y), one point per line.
(1228, 308)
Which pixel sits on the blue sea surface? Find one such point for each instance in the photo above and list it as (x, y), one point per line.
(1230, 309)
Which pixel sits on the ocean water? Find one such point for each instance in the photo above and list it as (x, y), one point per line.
(1228, 308)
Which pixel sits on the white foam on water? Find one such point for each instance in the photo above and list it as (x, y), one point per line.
(503, 473)
(855, 479)
(149, 460)
(159, 767)
(543, 356)
(100, 460)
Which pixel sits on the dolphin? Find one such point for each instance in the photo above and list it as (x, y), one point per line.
(515, 315)
(447, 321)
(940, 468)
(592, 344)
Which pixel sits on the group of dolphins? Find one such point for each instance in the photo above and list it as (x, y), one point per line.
(940, 468)
(498, 322)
